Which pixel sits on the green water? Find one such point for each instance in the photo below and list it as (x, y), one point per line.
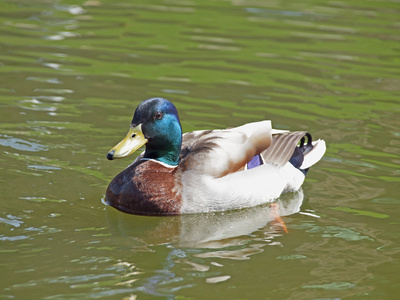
(71, 75)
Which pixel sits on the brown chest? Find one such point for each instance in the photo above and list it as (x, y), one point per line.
(147, 187)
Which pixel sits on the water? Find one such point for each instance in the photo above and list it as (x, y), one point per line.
(73, 72)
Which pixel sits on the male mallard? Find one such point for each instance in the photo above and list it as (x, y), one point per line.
(207, 170)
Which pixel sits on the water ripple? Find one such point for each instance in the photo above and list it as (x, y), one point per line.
(20, 144)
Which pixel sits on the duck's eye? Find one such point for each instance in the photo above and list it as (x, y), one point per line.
(158, 115)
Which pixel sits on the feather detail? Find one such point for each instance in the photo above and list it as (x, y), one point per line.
(282, 147)
(221, 152)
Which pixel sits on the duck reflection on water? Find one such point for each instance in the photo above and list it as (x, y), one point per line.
(207, 230)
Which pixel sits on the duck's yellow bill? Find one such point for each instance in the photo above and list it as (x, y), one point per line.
(132, 142)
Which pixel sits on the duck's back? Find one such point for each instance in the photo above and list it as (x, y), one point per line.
(220, 152)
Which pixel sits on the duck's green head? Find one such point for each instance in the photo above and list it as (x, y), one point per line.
(155, 124)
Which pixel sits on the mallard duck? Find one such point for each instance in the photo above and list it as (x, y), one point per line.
(206, 170)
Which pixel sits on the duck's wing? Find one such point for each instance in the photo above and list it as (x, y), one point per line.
(220, 152)
(283, 146)
(296, 147)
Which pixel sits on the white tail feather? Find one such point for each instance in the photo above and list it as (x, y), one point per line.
(312, 157)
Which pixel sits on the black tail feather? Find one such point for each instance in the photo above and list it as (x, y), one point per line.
(298, 155)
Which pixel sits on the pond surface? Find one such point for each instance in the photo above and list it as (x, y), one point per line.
(72, 73)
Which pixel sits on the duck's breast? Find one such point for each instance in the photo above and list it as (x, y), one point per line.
(146, 187)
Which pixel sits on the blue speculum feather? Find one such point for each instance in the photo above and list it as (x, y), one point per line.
(254, 162)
